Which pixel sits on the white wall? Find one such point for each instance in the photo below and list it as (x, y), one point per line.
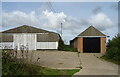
(31, 40)
(25, 39)
(47, 45)
(6, 45)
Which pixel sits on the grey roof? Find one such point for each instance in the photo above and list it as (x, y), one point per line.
(91, 31)
(46, 36)
(25, 29)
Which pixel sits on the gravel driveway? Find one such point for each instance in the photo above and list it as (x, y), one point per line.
(56, 59)
(70, 60)
(95, 66)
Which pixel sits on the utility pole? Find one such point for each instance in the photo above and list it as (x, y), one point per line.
(61, 29)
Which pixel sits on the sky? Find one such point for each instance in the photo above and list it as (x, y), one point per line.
(74, 16)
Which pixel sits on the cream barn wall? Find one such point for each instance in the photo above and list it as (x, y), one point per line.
(30, 40)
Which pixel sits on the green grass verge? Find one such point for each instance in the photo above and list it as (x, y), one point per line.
(110, 60)
(13, 68)
(47, 71)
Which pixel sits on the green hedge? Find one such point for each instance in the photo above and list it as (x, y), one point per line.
(69, 48)
(64, 47)
(113, 51)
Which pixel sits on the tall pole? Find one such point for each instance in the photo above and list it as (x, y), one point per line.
(61, 29)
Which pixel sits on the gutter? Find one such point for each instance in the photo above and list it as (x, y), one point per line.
(93, 36)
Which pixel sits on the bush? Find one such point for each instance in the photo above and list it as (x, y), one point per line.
(64, 47)
(69, 48)
(113, 51)
(11, 66)
(61, 44)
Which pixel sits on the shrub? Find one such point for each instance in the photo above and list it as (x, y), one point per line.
(113, 51)
(11, 66)
(69, 48)
(61, 44)
(64, 47)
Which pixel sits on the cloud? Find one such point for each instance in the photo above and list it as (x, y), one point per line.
(96, 10)
(46, 19)
(101, 21)
(53, 19)
(17, 18)
(115, 6)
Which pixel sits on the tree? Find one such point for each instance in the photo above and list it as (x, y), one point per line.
(113, 51)
(61, 44)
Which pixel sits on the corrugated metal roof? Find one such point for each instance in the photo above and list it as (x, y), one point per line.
(91, 31)
(25, 29)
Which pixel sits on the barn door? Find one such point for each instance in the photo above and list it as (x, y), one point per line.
(27, 40)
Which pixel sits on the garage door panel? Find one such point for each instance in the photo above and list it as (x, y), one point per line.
(91, 45)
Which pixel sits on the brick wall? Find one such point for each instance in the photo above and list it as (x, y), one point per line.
(80, 44)
(103, 45)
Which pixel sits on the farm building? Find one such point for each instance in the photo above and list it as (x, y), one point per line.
(90, 41)
(30, 37)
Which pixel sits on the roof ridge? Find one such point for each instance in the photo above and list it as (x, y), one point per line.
(20, 29)
(91, 31)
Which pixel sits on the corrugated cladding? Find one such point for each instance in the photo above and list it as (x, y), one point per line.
(6, 38)
(50, 37)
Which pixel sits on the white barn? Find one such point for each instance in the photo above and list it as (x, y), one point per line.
(30, 37)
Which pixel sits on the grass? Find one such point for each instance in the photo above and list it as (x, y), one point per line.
(110, 60)
(13, 68)
(48, 71)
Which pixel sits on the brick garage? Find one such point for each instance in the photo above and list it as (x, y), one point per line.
(90, 41)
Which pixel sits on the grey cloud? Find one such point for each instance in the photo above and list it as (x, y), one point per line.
(96, 10)
(115, 7)
(84, 22)
(101, 21)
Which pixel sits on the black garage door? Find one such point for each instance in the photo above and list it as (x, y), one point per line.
(91, 45)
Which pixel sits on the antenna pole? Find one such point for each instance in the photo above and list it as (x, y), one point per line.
(61, 29)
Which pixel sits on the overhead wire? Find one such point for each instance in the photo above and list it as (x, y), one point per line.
(50, 6)
(52, 9)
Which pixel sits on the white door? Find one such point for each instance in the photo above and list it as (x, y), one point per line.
(25, 39)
